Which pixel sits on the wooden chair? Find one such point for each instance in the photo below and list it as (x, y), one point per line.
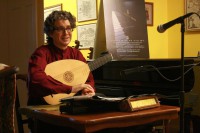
(7, 98)
(20, 119)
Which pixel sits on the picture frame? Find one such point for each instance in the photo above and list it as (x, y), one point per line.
(192, 23)
(86, 35)
(86, 10)
(149, 13)
(48, 10)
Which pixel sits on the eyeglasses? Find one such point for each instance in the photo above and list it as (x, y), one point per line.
(63, 29)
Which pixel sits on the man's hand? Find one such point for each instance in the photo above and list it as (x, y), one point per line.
(85, 88)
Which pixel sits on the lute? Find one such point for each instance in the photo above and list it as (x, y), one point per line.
(71, 72)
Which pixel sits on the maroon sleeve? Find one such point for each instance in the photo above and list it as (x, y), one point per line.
(39, 83)
(90, 81)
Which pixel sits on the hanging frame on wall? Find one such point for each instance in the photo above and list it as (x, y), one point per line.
(86, 35)
(48, 10)
(87, 10)
(192, 22)
(149, 13)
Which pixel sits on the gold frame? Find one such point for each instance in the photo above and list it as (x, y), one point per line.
(86, 10)
(149, 13)
(85, 35)
(192, 22)
(47, 11)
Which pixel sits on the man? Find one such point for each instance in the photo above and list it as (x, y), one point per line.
(58, 27)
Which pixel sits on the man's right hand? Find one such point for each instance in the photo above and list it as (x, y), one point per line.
(85, 88)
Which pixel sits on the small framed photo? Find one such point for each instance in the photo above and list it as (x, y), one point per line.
(149, 13)
(86, 35)
(87, 10)
(49, 10)
(192, 22)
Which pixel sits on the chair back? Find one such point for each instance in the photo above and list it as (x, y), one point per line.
(20, 119)
(7, 98)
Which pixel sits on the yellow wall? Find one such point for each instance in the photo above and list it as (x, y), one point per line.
(192, 39)
(161, 45)
(158, 42)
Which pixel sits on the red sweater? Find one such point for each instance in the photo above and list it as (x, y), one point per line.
(39, 84)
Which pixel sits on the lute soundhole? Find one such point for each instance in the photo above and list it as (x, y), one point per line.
(68, 76)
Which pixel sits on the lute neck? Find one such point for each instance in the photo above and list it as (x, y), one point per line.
(99, 62)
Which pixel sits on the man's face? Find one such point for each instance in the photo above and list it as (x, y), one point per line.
(62, 34)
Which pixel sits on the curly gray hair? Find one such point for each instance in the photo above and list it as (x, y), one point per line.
(57, 15)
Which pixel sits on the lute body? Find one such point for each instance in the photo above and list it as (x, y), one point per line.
(71, 72)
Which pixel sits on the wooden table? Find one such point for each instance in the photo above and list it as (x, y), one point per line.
(92, 122)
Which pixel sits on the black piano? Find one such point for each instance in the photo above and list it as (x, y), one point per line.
(144, 77)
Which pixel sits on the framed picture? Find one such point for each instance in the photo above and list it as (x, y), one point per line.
(48, 10)
(86, 35)
(192, 22)
(149, 13)
(87, 10)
